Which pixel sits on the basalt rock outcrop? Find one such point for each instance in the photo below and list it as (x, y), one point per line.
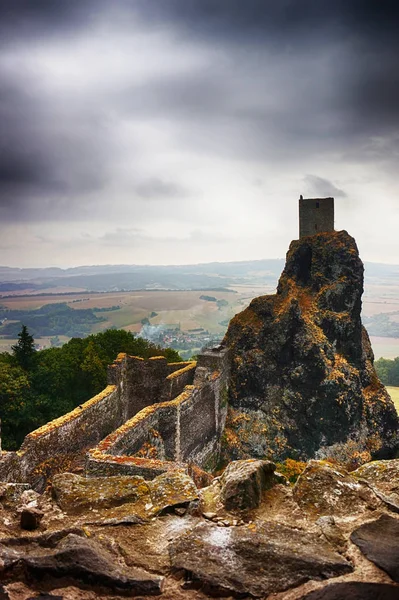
(302, 380)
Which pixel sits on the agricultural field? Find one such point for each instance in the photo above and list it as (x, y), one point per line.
(163, 304)
(183, 310)
(394, 393)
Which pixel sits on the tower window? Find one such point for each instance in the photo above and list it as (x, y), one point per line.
(315, 227)
(317, 204)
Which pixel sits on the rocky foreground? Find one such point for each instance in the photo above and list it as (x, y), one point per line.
(303, 383)
(249, 534)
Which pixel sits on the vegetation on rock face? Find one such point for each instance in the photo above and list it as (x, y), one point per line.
(303, 382)
(291, 469)
(36, 387)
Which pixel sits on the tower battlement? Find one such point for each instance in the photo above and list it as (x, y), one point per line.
(315, 215)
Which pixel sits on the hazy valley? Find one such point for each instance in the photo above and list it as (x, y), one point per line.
(185, 307)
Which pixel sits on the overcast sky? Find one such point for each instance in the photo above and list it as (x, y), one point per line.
(181, 131)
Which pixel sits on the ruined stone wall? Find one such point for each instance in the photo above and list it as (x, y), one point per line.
(55, 445)
(68, 435)
(315, 216)
(184, 430)
(176, 381)
(144, 382)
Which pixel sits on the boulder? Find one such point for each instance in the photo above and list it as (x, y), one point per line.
(354, 590)
(244, 481)
(379, 541)
(172, 488)
(210, 502)
(82, 560)
(147, 546)
(326, 490)
(383, 477)
(257, 559)
(123, 498)
(76, 494)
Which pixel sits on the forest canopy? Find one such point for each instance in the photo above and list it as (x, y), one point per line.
(388, 370)
(38, 386)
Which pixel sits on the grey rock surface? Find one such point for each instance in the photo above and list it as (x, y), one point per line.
(355, 590)
(82, 560)
(75, 494)
(383, 477)
(323, 489)
(172, 488)
(244, 481)
(379, 541)
(257, 559)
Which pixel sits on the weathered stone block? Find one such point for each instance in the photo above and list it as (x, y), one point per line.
(244, 481)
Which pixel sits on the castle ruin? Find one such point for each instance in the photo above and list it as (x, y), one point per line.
(291, 363)
(152, 417)
(316, 215)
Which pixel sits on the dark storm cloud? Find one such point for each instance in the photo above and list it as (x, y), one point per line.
(330, 66)
(284, 79)
(26, 18)
(48, 156)
(267, 20)
(363, 33)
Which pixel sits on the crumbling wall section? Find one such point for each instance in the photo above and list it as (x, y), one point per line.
(203, 418)
(68, 435)
(144, 382)
(189, 427)
(58, 443)
(152, 417)
(176, 381)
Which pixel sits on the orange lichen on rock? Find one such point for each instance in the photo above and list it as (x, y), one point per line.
(77, 412)
(302, 378)
(190, 367)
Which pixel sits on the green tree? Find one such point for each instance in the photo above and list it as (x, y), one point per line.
(24, 349)
(14, 401)
(40, 386)
(388, 370)
(95, 368)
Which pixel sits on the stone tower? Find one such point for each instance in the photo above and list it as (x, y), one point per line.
(315, 215)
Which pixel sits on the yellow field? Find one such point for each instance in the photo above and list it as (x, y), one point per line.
(176, 308)
(394, 393)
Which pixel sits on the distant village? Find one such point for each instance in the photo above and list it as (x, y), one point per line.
(187, 343)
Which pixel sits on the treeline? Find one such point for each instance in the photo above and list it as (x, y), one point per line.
(36, 387)
(51, 319)
(388, 370)
(382, 325)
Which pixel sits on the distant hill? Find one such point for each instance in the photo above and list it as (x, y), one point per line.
(102, 278)
(135, 277)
